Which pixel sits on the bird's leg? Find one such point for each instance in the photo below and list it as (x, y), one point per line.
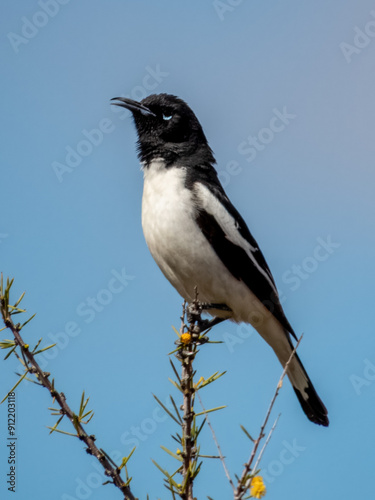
(195, 310)
(205, 324)
(209, 305)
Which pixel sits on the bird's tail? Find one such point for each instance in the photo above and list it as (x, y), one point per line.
(311, 403)
(279, 339)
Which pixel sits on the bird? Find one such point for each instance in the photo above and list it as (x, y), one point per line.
(198, 238)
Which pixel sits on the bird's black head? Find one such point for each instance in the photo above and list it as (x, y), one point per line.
(168, 129)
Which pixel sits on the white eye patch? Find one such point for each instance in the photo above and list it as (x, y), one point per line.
(167, 117)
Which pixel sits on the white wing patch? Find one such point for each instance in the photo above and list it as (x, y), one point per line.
(229, 226)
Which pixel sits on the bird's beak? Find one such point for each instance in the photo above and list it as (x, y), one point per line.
(133, 106)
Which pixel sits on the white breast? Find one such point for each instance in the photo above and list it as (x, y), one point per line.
(173, 237)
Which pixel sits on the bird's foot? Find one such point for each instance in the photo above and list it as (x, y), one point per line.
(206, 324)
(194, 312)
(205, 306)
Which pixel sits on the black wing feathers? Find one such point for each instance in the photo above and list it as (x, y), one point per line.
(235, 257)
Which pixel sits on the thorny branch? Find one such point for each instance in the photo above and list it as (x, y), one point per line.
(32, 367)
(187, 355)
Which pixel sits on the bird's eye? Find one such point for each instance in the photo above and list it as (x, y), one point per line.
(166, 117)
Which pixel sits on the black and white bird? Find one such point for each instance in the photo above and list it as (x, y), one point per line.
(198, 238)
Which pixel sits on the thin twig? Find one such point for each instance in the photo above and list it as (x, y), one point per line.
(241, 487)
(217, 444)
(265, 444)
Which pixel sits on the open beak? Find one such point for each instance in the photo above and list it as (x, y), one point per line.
(133, 106)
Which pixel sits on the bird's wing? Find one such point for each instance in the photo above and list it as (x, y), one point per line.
(232, 241)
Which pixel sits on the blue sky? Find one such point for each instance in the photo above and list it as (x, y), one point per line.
(70, 231)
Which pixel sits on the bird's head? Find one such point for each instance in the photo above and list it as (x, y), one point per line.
(167, 128)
